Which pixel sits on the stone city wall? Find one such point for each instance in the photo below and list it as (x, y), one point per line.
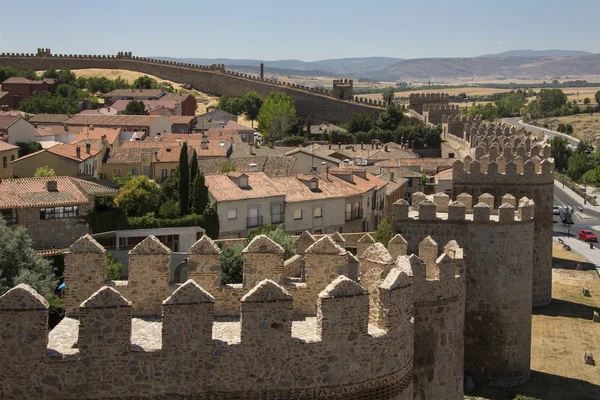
(435, 113)
(417, 100)
(318, 104)
(498, 276)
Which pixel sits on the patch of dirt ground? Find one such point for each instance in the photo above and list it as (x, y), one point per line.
(561, 333)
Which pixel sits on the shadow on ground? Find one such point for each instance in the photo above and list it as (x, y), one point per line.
(563, 308)
(563, 263)
(544, 386)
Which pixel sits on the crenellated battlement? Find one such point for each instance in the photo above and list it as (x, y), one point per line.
(534, 171)
(463, 209)
(435, 113)
(190, 349)
(417, 100)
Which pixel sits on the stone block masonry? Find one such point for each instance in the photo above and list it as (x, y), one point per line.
(318, 105)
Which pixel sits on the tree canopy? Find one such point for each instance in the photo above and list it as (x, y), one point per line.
(144, 82)
(360, 122)
(47, 103)
(277, 115)
(184, 181)
(560, 151)
(388, 95)
(383, 233)
(44, 172)
(138, 197)
(135, 107)
(252, 104)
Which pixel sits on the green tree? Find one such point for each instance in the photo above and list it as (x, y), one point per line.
(277, 115)
(488, 111)
(28, 148)
(388, 95)
(169, 209)
(586, 101)
(66, 76)
(560, 151)
(551, 99)
(383, 233)
(50, 73)
(360, 122)
(135, 108)
(46, 103)
(114, 269)
(20, 264)
(139, 196)
(232, 263)
(580, 162)
(199, 194)
(252, 104)
(193, 166)
(144, 82)
(65, 90)
(211, 221)
(184, 181)
(597, 96)
(227, 166)
(391, 119)
(44, 172)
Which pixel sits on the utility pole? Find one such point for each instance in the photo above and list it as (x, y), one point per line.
(584, 192)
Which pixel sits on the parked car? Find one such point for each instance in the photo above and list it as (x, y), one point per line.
(556, 210)
(587, 235)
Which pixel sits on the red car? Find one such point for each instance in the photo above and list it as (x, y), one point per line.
(587, 235)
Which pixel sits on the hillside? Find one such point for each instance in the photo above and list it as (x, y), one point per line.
(540, 53)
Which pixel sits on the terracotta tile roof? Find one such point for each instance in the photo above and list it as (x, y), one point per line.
(234, 126)
(224, 187)
(270, 165)
(316, 154)
(123, 155)
(180, 97)
(17, 79)
(244, 150)
(426, 164)
(52, 130)
(120, 105)
(6, 146)
(69, 150)
(49, 118)
(33, 192)
(96, 133)
(108, 120)
(297, 188)
(6, 121)
(147, 144)
(365, 184)
(135, 93)
(170, 154)
(94, 189)
(2, 94)
(444, 175)
(181, 119)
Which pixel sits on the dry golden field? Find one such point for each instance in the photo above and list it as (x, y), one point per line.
(561, 333)
(585, 126)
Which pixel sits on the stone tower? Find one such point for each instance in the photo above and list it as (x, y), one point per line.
(342, 89)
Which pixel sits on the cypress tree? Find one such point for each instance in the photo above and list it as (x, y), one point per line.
(184, 181)
(193, 166)
(203, 199)
(211, 221)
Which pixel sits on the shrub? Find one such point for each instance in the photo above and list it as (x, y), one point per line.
(114, 269)
(293, 140)
(169, 209)
(148, 221)
(232, 263)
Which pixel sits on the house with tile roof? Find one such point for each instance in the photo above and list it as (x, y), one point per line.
(8, 153)
(245, 133)
(50, 208)
(215, 119)
(307, 159)
(76, 159)
(22, 88)
(6, 100)
(132, 94)
(144, 125)
(49, 135)
(49, 119)
(14, 129)
(245, 201)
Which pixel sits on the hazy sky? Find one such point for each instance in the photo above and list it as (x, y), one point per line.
(308, 30)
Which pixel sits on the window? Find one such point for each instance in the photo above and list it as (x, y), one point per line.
(59, 212)
(172, 173)
(133, 171)
(276, 213)
(297, 214)
(9, 215)
(163, 174)
(12, 158)
(5, 162)
(318, 212)
(232, 214)
(243, 181)
(314, 185)
(117, 171)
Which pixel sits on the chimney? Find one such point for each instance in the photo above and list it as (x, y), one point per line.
(323, 166)
(313, 170)
(346, 163)
(88, 148)
(91, 128)
(65, 127)
(329, 146)
(78, 152)
(252, 167)
(339, 145)
(262, 70)
(52, 186)
(386, 148)
(362, 146)
(392, 177)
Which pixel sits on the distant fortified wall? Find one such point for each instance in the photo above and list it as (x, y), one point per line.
(498, 274)
(417, 100)
(318, 104)
(434, 113)
(357, 342)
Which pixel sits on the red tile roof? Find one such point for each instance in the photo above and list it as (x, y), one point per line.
(181, 119)
(171, 153)
(69, 150)
(96, 133)
(6, 121)
(6, 146)
(225, 187)
(234, 126)
(118, 120)
(123, 155)
(297, 188)
(135, 93)
(33, 192)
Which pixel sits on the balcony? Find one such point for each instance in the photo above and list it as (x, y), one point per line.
(277, 218)
(252, 222)
(354, 214)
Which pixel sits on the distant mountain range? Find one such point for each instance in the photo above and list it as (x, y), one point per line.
(540, 53)
(522, 64)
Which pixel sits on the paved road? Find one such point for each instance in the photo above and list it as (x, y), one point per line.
(516, 121)
(586, 220)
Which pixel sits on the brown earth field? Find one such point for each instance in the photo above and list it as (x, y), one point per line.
(561, 333)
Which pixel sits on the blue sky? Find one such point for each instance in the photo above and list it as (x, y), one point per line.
(308, 30)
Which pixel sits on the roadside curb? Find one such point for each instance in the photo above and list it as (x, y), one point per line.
(550, 131)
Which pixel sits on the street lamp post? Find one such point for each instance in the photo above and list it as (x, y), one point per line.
(584, 192)
(563, 172)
